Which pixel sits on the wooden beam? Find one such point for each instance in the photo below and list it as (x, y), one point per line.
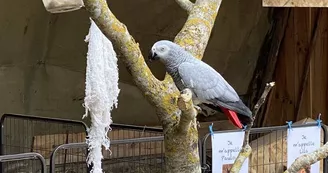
(306, 69)
(295, 3)
(266, 63)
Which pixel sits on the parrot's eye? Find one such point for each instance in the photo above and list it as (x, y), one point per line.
(162, 49)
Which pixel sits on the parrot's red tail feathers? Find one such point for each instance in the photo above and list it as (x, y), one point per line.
(232, 117)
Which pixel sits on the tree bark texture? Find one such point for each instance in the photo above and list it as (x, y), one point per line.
(308, 159)
(175, 112)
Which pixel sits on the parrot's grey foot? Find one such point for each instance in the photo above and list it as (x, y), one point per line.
(198, 109)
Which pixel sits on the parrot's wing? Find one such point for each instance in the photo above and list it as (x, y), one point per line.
(206, 83)
(209, 86)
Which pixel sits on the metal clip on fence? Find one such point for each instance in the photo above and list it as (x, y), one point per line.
(244, 127)
(210, 127)
(319, 121)
(289, 124)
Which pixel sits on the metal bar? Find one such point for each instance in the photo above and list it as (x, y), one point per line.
(1, 142)
(133, 127)
(33, 117)
(325, 137)
(24, 156)
(65, 156)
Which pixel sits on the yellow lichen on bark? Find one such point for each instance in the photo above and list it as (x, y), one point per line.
(188, 112)
(242, 156)
(119, 35)
(198, 27)
(155, 90)
(196, 32)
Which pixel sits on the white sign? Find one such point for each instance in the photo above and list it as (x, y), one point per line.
(225, 149)
(303, 140)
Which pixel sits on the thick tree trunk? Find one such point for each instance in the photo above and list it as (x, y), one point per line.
(181, 139)
(181, 151)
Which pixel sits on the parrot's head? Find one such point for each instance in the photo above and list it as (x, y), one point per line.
(166, 51)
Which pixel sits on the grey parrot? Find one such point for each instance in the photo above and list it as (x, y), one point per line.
(207, 85)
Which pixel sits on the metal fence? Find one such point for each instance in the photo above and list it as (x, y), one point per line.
(132, 149)
(127, 156)
(40, 165)
(135, 149)
(269, 149)
(22, 134)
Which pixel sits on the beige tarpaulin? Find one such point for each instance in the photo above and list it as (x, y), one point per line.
(60, 6)
(295, 3)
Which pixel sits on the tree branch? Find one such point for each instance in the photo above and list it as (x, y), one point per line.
(193, 37)
(246, 149)
(260, 102)
(185, 4)
(196, 32)
(308, 159)
(123, 42)
(157, 92)
(181, 153)
(188, 112)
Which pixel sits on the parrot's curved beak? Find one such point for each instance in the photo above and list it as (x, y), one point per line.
(152, 56)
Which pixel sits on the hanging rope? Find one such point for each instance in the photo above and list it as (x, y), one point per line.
(101, 92)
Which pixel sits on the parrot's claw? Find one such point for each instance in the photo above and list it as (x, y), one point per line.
(198, 109)
(204, 113)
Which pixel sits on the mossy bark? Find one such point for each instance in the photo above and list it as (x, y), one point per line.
(181, 150)
(179, 124)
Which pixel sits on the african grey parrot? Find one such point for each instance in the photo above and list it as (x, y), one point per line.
(207, 85)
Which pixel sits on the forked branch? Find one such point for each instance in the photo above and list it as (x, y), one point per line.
(197, 28)
(124, 43)
(196, 32)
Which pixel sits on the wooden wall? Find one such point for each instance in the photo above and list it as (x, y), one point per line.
(301, 70)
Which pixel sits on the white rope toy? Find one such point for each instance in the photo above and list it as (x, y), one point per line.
(101, 92)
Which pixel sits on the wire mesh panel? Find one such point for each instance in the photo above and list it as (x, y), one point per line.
(20, 159)
(269, 149)
(137, 155)
(74, 154)
(22, 133)
(135, 149)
